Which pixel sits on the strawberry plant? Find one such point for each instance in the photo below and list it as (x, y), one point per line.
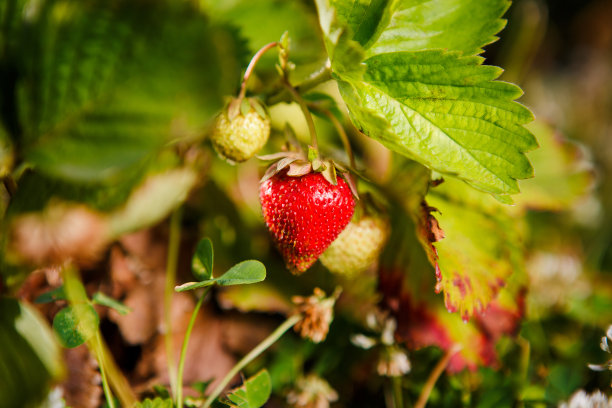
(462, 242)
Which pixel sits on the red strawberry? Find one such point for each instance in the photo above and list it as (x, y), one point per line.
(305, 214)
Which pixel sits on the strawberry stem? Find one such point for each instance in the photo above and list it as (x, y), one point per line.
(309, 121)
(315, 79)
(343, 136)
(251, 67)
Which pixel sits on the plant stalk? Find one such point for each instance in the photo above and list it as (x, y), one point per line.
(76, 293)
(260, 348)
(251, 67)
(100, 356)
(179, 383)
(315, 79)
(171, 267)
(398, 397)
(343, 136)
(309, 121)
(435, 374)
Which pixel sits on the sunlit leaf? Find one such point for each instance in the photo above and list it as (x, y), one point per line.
(427, 99)
(480, 250)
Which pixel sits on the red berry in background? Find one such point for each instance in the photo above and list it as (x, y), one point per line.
(305, 215)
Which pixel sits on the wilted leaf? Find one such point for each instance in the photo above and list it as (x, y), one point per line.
(254, 392)
(423, 323)
(76, 324)
(481, 248)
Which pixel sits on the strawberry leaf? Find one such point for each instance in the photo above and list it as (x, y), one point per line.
(464, 26)
(442, 108)
(480, 251)
(565, 174)
(100, 93)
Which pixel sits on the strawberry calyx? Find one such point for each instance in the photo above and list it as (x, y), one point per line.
(242, 106)
(298, 164)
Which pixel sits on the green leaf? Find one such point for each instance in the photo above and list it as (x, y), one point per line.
(293, 16)
(101, 92)
(52, 296)
(76, 324)
(448, 113)
(424, 94)
(202, 261)
(30, 358)
(104, 300)
(564, 172)
(243, 273)
(464, 26)
(155, 403)
(344, 52)
(201, 386)
(167, 189)
(254, 393)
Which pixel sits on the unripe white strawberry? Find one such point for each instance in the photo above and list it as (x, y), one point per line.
(241, 130)
(357, 247)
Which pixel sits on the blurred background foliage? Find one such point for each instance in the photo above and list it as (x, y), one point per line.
(105, 107)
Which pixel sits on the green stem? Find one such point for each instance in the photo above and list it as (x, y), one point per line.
(343, 136)
(251, 67)
(75, 293)
(100, 356)
(171, 266)
(194, 314)
(398, 397)
(435, 374)
(261, 347)
(311, 127)
(315, 79)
